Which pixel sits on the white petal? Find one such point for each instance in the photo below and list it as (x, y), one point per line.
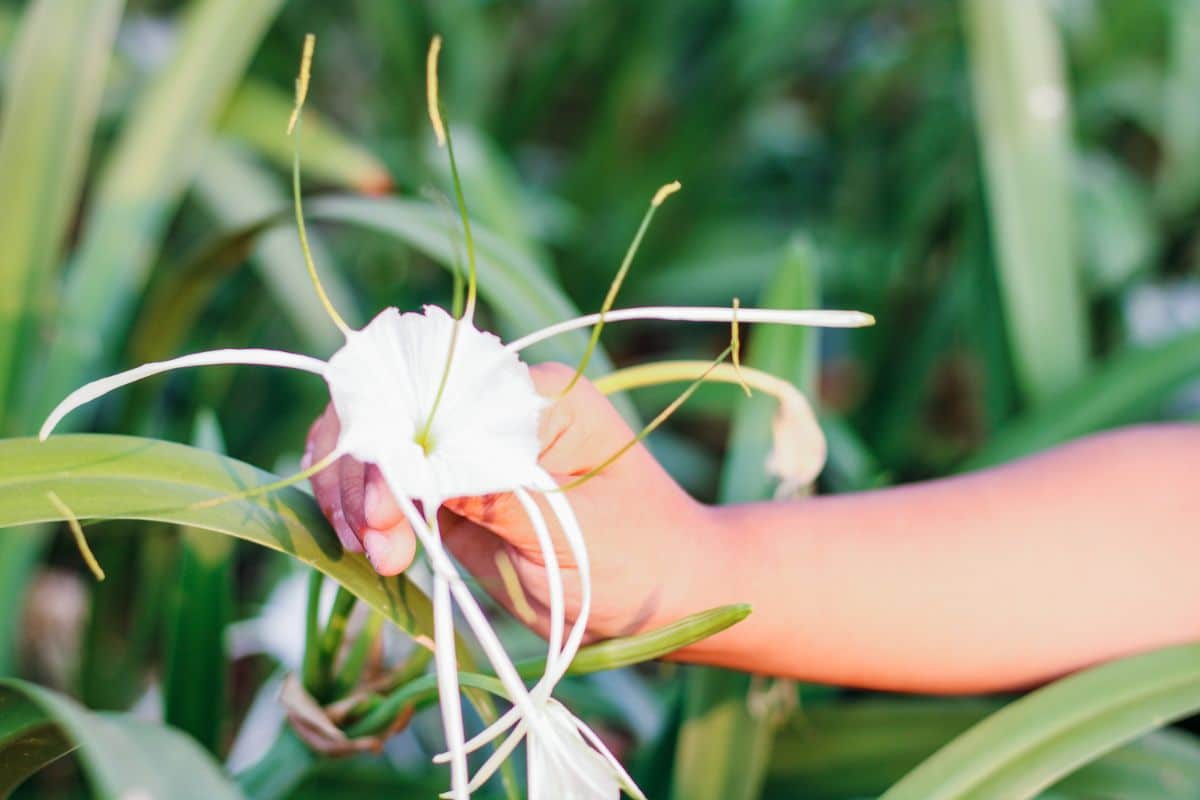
(91, 391)
(441, 564)
(384, 384)
(822, 318)
(448, 697)
(574, 536)
(562, 765)
(799, 449)
(627, 782)
(553, 578)
(488, 734)
(497, 757)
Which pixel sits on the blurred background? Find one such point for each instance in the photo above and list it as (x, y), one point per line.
(1011, 188)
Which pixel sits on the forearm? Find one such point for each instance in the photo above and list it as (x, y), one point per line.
(988, 581)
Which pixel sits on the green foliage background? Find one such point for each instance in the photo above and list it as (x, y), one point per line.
(1011, 188)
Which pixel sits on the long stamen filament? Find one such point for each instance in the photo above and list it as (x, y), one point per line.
(294, 132)
(821, 318)
(735, 344)
(81, 542)
(662, 194)
(651, 426)
(267, 488)
(442, 133)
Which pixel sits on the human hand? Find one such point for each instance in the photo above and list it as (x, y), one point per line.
(640, 526)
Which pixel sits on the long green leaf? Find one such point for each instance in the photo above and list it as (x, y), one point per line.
(724, 747)
(158, 153)
(55, 77)
(122, 756)
(860, 748)
(104, 477)
(1027, 746)
(1022, 114)
(55, 80)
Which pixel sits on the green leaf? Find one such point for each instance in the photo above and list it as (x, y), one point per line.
(723, 747)
(160, 148)
(55, 77)
(106, 477)
(123, 757)
(860, 748)
(195, 662)
(257, 116)
(1023, 119)
(240, 193)
(1028, 745)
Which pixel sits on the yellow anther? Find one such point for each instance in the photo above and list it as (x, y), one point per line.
(431, 90)
(310, 42)
(85, 551)
(664, 192)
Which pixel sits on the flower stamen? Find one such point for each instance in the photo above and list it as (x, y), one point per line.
(662, 194)
(294, 132)
(81, 542)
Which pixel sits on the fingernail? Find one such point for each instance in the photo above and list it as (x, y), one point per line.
(383, 553)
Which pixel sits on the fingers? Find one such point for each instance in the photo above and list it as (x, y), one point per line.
(326, 484)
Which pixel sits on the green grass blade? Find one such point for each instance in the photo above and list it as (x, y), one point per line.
(1178, 181)
(132, 478)
(156, 157)
(1030, 744)
(55, 78)
(122, 756)
(1023, 120)
(723, 748)
(860, 748)
(194, 679)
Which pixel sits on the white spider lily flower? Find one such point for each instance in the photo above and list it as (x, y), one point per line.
(445, 410)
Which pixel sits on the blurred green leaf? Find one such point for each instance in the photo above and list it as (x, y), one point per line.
(55, 78)
(1023, 115)
(1130, 386)
(199, 610)
(860, 748)
(257, 116)
(1028, 745)
(1117, 235)
(1179, 173)
(240, 193)
(123, 757)
(54, 81)
(160, 148)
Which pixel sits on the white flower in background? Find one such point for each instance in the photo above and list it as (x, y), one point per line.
(445, 410)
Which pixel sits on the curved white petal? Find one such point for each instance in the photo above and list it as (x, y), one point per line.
(561, 764)
(625, 778)
(98, 388)
(553, 577)
(822, 318)
(574, 536)
(447, 676)
(441, 564)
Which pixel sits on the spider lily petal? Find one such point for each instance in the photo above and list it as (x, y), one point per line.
(98, 388)
(821, 318)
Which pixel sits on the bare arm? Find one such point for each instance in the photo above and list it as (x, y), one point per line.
(994, 580)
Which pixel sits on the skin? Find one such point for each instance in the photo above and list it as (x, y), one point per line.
(996, 580)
